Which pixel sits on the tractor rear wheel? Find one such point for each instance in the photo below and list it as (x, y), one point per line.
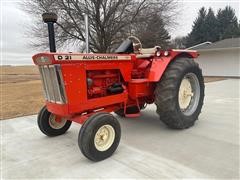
(51, 124)
(179, 94)
(99, 136)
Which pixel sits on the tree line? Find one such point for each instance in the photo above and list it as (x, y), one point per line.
(212, 27)
(110, 22)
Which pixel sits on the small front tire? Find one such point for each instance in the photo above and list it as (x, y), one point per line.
(51, 124)
(99, 136)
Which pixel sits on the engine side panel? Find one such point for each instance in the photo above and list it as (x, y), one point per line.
(81, 97)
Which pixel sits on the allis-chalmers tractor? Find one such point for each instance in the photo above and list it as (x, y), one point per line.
(86, 88)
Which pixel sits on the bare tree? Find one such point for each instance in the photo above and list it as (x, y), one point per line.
(110, 20)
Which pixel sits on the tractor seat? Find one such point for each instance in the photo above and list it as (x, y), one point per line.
(147, 52)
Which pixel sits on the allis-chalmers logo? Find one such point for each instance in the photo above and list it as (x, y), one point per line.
(100, 57)
(91, 57)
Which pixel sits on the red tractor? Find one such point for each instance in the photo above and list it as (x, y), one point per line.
(86, 88)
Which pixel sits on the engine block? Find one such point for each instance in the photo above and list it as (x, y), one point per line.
(103, 82)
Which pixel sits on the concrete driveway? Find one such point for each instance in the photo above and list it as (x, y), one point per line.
(147, 149)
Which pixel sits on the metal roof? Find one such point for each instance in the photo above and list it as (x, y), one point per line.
(232, 43)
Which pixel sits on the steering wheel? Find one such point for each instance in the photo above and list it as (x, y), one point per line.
(137, 45)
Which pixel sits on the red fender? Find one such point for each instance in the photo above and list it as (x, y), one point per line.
(159, 64)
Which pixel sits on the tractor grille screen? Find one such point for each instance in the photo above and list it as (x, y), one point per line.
(53, 85)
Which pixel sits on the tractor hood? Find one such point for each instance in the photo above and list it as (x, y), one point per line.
(62, 58)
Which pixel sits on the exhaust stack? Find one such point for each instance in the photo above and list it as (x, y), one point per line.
(50, 19)
(86, 32)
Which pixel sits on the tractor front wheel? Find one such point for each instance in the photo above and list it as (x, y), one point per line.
(51, 124)
(99, 136)
(179, 94)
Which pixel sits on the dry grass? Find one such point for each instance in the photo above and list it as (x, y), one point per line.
(19, 70)
(21, 91)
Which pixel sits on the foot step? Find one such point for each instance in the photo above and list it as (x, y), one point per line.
(132, 115)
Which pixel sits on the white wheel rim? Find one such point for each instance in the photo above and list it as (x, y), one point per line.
(104, 137)
(185, 93)
(56, 124)
(189, 94)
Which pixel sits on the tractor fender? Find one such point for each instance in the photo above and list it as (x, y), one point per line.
(160, 64)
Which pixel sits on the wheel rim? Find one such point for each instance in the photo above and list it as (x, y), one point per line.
(56, 122)
(104, 138)
(189, 94)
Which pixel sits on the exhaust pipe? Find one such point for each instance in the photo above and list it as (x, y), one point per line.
(86, 32)
(50, 19)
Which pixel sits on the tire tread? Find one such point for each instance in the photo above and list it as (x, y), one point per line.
(166, 94)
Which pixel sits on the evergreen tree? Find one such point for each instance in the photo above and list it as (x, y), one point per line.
(228, 26)
(153, 32)
(197, 34)
(178, 42)
(210, 27)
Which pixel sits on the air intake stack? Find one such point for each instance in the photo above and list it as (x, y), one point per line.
(50, 19)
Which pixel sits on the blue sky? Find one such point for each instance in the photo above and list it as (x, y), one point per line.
(14, 47)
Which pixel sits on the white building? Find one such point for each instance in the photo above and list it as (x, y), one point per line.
(221, 58)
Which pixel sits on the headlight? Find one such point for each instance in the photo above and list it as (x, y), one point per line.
(43, 60)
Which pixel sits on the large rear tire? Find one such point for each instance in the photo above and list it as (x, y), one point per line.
(179, 94)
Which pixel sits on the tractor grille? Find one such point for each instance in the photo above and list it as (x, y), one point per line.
(53, 85)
